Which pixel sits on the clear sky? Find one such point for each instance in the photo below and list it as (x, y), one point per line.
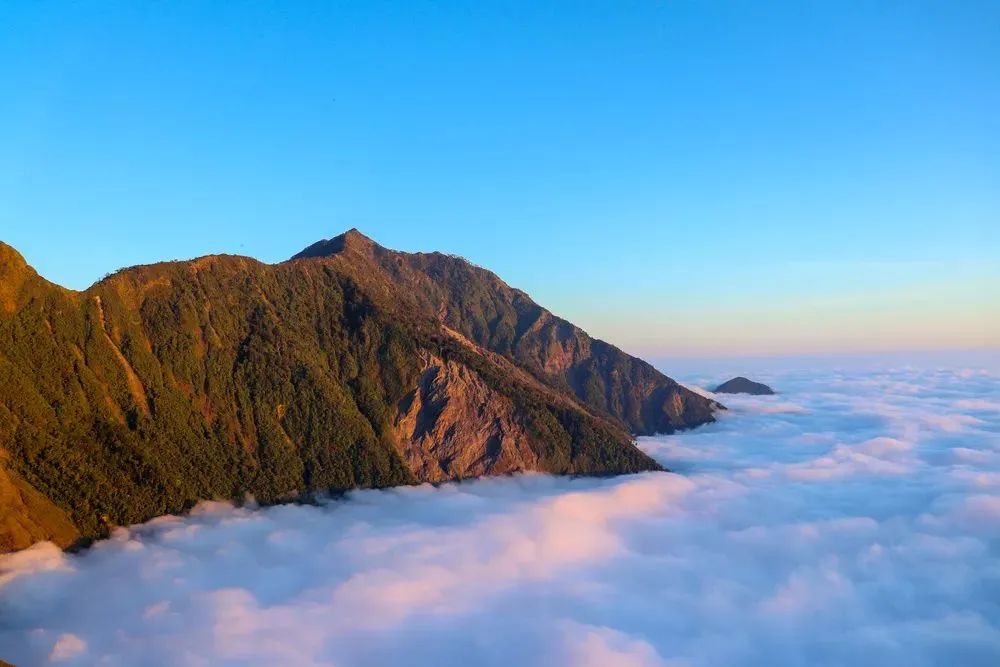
(681, 178)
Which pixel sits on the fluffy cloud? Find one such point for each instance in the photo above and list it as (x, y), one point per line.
(852, 519)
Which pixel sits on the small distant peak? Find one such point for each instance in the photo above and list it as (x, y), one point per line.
(351, 240)
(742, 385)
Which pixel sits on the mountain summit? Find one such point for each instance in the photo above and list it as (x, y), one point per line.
(352, 239)
(349, 365)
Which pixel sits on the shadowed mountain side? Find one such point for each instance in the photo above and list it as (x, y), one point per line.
(223, 377)
(484, 309)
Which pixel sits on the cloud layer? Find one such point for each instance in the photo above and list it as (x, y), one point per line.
(851, 519)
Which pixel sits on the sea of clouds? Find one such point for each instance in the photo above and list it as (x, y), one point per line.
(852, 519)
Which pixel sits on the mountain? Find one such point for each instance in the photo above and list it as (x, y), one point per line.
(349, 365)
(741, 385)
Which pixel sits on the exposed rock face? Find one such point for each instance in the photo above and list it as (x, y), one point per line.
(349, 366)
(741, 385)
(453, 425)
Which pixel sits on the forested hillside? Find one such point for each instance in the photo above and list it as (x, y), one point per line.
(223, 377)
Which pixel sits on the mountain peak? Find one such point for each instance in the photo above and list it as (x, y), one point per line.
(10, 257)
(350, 240)
(354, 237)
(12, 263)
(13, 272)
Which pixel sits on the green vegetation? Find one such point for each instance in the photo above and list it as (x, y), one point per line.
(223, 377)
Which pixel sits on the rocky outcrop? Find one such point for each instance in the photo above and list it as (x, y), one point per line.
(453, 425)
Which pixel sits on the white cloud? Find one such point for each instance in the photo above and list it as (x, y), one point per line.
(67, 646)
(951, 423)
(977, 405)
(589, 646)
(852, 520)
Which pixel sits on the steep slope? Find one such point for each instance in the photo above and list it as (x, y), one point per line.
(484, 309)
(26, 516)
(223, 377)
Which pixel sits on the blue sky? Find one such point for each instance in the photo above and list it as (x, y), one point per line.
(681, 178)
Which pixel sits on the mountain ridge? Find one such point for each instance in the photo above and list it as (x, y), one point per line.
(348, 365)
(549, 345)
